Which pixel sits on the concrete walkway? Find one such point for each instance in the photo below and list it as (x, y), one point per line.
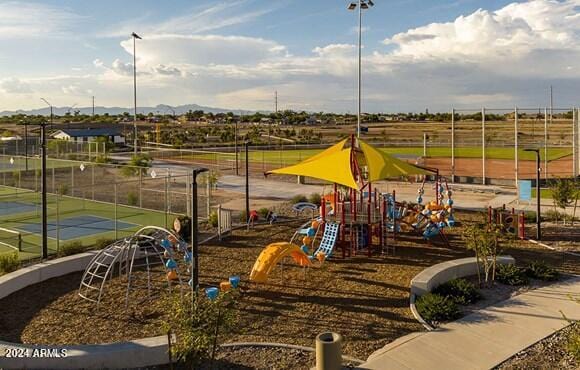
(487, 337)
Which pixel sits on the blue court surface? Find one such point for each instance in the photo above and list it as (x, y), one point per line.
(9, 208)
(77, 227)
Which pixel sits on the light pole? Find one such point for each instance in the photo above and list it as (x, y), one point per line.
(51, 112)
(43, 190)
(362, 4)
(538, 197)
(135, 37)
(194, 246)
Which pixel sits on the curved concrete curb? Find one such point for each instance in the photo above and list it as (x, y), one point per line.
(138, 353)
(438, 274)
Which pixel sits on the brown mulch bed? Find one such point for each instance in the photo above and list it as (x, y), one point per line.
(365, 299)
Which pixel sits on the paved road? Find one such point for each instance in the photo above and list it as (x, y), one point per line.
(487, 337)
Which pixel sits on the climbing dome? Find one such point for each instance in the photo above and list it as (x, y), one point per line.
(147, 261)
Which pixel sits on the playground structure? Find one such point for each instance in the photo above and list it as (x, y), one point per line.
(356, 216)
(152, 249)
(510, 221)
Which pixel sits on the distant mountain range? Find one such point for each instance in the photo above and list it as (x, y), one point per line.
(161, 108)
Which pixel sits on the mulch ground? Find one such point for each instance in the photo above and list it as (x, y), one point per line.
(365, 299)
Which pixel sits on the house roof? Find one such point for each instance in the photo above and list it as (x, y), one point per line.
(111, 131)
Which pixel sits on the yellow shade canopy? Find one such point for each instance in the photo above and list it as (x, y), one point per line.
(333, 149)
(334, 167)
(383, 166)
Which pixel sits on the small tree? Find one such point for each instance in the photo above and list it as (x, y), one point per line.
(563, 194)
(485, 241)
(138, 163)
(196, 324)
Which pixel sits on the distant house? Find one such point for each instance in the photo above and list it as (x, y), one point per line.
(89, 135)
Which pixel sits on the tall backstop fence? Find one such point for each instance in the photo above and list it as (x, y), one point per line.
(481, 146)
(90, 202)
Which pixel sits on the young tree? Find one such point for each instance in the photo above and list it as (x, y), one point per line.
(485, 241)
(563, 194)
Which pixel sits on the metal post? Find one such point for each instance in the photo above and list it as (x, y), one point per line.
(424, 145)
(574, 118)
(546, 143)
(516, 144)
(538, 198)
(26, 145)
(194, 247)
(140, 188)
(43, 174)
(359, 67)
(208, 195)
(57, 225)
(483, 145)
(165, 209)
(72, 180)
(135, 37)
(247, 185)
(116, 236)
(453, 145)
(236, 145)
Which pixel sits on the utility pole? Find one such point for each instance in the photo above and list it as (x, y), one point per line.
(93, 116)
(276, 101)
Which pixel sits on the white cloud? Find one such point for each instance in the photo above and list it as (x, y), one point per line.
(203, 49)
(15, 86)
(501, 58)
(21, 20)
(197, 20)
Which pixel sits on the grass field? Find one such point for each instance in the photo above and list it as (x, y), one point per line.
(68, 208)
(34, 163)
(293, 156)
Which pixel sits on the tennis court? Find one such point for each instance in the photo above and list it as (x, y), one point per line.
(69, 219)
(78, 227)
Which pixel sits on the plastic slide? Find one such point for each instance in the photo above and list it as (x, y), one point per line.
(271, 255)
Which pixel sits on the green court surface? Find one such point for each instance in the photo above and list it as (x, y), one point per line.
(289, 155)
(78, 220)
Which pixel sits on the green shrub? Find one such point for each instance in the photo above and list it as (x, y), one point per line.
(213, 219)
(435, 308)
(315, 198)
(511, 275)
(299, 199)
(71, 248)
(132, 198)
(9, 262)
(263, 212)
(541, 271)
(103, 243)
(460, 290)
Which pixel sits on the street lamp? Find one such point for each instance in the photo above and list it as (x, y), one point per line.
(135, 37)
(538, 197)
(51, 112)
(362, 4)
(194, 247)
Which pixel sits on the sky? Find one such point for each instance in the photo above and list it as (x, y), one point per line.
(416, 55)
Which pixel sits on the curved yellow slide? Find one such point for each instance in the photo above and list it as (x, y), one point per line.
(271, 255)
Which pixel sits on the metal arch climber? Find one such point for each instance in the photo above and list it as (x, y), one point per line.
(151, 249)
